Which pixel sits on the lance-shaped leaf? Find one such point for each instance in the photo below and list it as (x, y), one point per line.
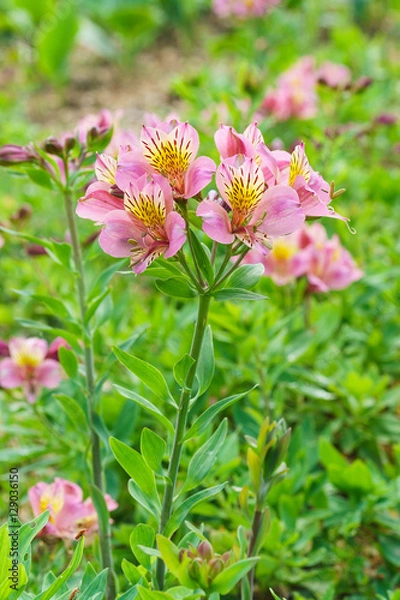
(146, 594)
(205, 457)
(182, 368)
(205, 419)
(177, 287)
(246, 276)
(142, 535)
(70, 570)
(152, 447)
(96, 588)
(147, 373)
(180, 514)
(147, 405)
(143, 485)
(206, 363)
(225, 581)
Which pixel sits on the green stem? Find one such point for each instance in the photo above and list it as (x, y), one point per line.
(234, 266)
(227, 257)
(255, 532)
(189, 237)
(97, 471)
(180, 429)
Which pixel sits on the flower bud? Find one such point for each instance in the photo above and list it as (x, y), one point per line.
(69, 143)
(194, 569)
(205, 550)
(53, 146)
(215, 567)
(362, 84)
(23, 213)
(11, 154)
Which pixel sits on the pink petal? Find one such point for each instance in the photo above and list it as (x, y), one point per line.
(11, 375)
(216, 222)
(131, 166)
(198, 175)
(283, 211)
(55, 345)
(175, 228)
(230, 143)
(117, 230)
(98, 202)
(48, 374)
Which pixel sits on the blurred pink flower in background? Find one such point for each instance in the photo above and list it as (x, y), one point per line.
(331, 267)
(308, 252)
(334, 75)
(31, 364)
(69, 513)
(295, 93)
(243, 8)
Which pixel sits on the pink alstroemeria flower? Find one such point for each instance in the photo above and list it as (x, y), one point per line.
(28, 367)
(334, 75)
(69, 513)
(331, 267)
(285, 262)
(257, 213)
(148, 227)
(250, 144)
(312, 189)
(169, 149)
(295, 93)
(243, 8)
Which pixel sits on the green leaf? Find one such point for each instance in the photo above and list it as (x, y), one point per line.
(96, 588)
(236, 294)
(169, 553)
(329, 456)
(182, 368)
(68, 361)
(74, 412)
(225, 581)
(153, 448)
(149, 375)
(146, 594)
(70, 570)
(275, 596)
(147, 405)
(104, 279)
(246, 276)
(40, 177)
(55, 41)
(58, 307)
(205, 419)
(142, 535)
(201, 253)
(206, 363)
(180, 514)
(144, 489)
(61, 253)
(131, 572)
(177, 287)
(94, 305)
(205, 457)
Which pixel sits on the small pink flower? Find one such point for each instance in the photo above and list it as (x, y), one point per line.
(69, 513)
(331, 267)
(28, 367)
(334, 75)
(147, 227)
(285, 262)
(169, 149)
(243, 8)
(295, 93)
(256, 212)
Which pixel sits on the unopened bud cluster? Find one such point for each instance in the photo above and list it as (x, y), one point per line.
(205, 564)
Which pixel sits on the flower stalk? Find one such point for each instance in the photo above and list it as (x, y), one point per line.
(97, 471)
(180, 428)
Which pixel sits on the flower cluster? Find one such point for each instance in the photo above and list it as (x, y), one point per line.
(243, 8)
(295, 94)
(308, 252)
(139, 197)
(30, 364)
(69, 513)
